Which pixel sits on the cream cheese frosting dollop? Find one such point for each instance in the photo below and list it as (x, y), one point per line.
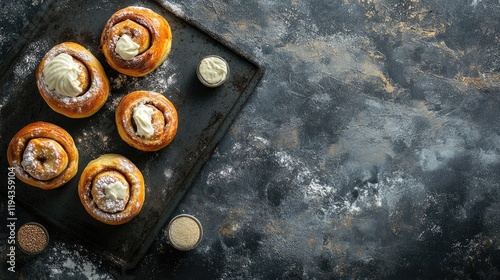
(142, 118)
(115, 191)
(126, 48)
(61, 75)
(213, 69)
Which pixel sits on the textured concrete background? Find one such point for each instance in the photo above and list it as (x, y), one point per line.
(371, 148)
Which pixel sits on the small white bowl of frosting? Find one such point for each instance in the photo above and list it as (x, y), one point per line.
(212, 71)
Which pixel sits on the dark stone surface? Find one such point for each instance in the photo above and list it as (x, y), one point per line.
(371, 149)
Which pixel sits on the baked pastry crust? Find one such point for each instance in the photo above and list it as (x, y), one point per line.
(148, 29)
(95, 93)
(111, 168)
(43, 155)
(165, 120)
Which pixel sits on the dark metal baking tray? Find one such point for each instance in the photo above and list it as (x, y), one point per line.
(204, 116)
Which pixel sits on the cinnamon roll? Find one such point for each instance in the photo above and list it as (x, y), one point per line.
(111, 189)
(72, 81)
(43, 155)
(146, 120)
(136, 41)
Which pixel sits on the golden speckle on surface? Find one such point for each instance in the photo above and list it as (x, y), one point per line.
(486, 80)
(311, 241)
(229, 229)
(289, 138)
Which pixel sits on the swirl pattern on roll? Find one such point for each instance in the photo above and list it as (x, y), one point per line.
(107, 171)
(163, 120)
(93, 81)
(43, 155)
(149, 30)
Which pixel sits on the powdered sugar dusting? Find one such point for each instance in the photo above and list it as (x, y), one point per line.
(71, 262)
(3, 38)
(49, 152)
(121, 80)
(129, 167)
(95, 138)
(174, 8)
(99, 195)
(27, 64)
(168, 173)
(22, 69)
(163, 79)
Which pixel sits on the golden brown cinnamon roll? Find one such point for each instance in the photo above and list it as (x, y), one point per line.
(136, 41)
(111, 188)
(72, 81)
(146, 120)
(43, 155)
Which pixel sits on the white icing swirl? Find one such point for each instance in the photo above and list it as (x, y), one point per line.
(61, 75)
(142, 117)
(126, 48)
(115, 191)
(213, 70)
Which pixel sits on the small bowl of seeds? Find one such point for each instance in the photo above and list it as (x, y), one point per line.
(184, 232)
(32, 238)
